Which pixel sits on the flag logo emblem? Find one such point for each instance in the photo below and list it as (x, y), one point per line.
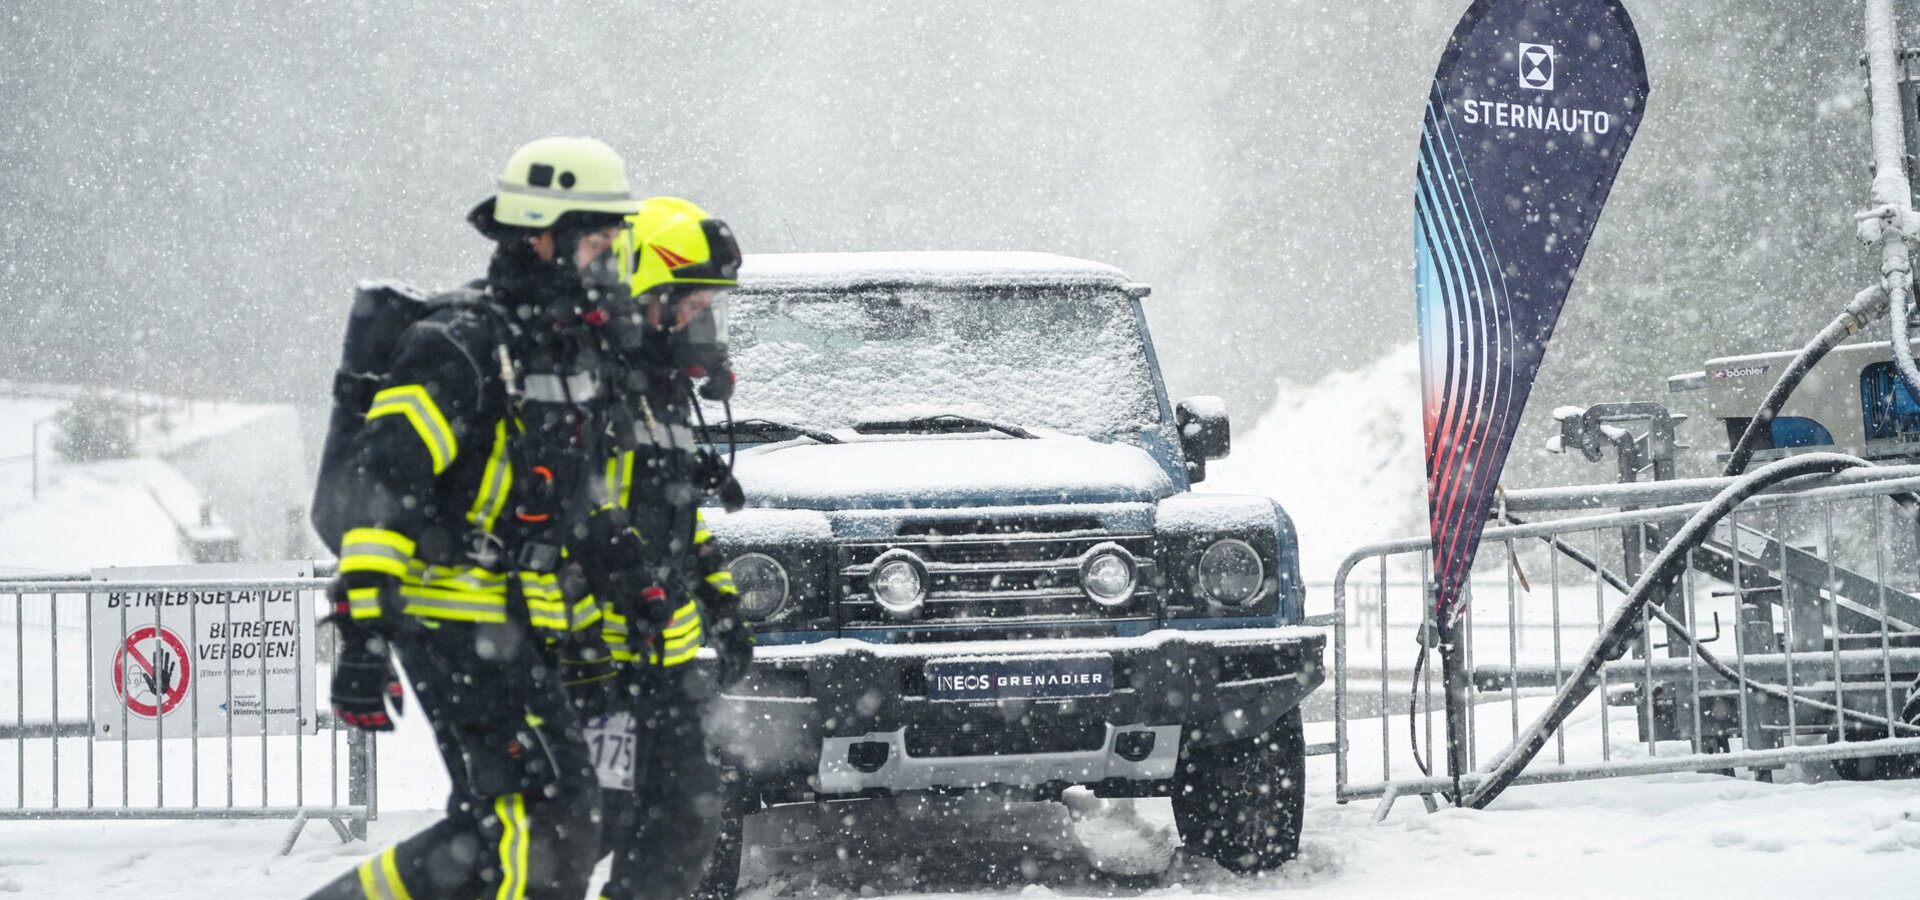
(672, 259)
(1536, 66)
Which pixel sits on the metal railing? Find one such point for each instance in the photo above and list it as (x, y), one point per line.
(114, 715)
(1790, 637)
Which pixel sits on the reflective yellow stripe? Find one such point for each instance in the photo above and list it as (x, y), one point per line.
(673, 645)
(413, 401)
(675, 659)
(375, 550)
(681, 630)
(494, 484)
(550, 616)
(380, 878)
(457, 606)
(512, 810)
(364, 603)
(369, 881)
(586, 614)
(620, 478)
(392, 870)
(722, 581)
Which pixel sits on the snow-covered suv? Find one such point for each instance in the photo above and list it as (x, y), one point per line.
(974, 559)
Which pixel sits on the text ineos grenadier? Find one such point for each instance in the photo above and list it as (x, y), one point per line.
(974, 560)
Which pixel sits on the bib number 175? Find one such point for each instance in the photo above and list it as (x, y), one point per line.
(610, 738)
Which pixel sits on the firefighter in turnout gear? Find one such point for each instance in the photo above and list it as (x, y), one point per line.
(663, 589)
(480, 459)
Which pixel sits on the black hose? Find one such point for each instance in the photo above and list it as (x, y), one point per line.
(1677, 628)
(1865, 307)
(1621, 625)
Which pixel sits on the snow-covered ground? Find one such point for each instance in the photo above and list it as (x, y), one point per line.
(1681, 836)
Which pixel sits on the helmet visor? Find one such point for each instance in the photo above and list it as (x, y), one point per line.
(707, 325)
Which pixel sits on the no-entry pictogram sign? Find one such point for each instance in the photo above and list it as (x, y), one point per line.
(227, 648)
(151, 671)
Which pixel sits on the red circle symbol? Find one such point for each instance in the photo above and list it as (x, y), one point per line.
(151, 671)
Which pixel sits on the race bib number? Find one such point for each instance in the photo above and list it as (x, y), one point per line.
(610, 738)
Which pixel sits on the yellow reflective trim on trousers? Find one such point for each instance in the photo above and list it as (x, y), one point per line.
(512, 810)
(413, 401)
(494, 484)
(370, 882)
(380, 878)
(391, 868)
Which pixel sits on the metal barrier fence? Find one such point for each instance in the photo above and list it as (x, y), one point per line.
(174, 699)
(1792, 633)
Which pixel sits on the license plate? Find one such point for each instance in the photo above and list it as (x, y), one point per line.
(1007, 679)
(611, 740)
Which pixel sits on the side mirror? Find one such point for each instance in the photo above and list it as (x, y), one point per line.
(1204, 433)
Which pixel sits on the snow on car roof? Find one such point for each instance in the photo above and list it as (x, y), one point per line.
(817, 271)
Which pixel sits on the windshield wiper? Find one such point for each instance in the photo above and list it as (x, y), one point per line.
(770, 430)
(942, 423)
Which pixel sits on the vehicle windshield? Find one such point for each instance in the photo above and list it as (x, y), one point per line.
(1068, 360)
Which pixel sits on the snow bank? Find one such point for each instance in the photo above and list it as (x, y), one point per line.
(1344, 456)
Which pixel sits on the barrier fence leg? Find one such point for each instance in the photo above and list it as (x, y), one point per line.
(360, 776)
(1453, 671)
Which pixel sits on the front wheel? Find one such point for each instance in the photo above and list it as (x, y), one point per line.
(1240, 802)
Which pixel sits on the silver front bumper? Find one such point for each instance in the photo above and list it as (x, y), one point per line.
(901, 772)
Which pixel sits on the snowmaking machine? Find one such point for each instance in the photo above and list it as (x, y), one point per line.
(1763, 618)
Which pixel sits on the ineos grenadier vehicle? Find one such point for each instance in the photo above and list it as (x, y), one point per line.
(974, 560)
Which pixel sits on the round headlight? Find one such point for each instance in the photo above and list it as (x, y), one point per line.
(1108, 577)
(762, 583)
(899, 583)
(1230, 572)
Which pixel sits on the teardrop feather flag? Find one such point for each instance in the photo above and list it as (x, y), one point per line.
(1530, 114)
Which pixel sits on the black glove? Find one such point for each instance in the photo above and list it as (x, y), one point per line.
(716, 478)
(732, 640)
(363, 678)
(587, 671)
(375, 596)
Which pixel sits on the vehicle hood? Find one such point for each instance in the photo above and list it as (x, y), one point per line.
(894, 473)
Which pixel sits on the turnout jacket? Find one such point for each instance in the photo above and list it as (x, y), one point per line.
(660, 570)
(474, 457)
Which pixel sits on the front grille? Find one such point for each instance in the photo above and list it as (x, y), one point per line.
(1014, 579)
(998, 737)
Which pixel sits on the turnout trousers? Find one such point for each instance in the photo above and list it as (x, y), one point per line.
(521, 820)
(662, 832)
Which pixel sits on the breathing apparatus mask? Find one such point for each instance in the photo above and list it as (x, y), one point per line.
(677, 264)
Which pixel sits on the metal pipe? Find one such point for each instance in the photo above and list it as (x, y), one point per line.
(1698, 762)
(1892, 192)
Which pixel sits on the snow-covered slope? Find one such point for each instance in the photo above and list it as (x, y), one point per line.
(1343, 455)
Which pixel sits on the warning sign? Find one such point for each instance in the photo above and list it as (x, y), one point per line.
(151, 672)
(210, 650)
